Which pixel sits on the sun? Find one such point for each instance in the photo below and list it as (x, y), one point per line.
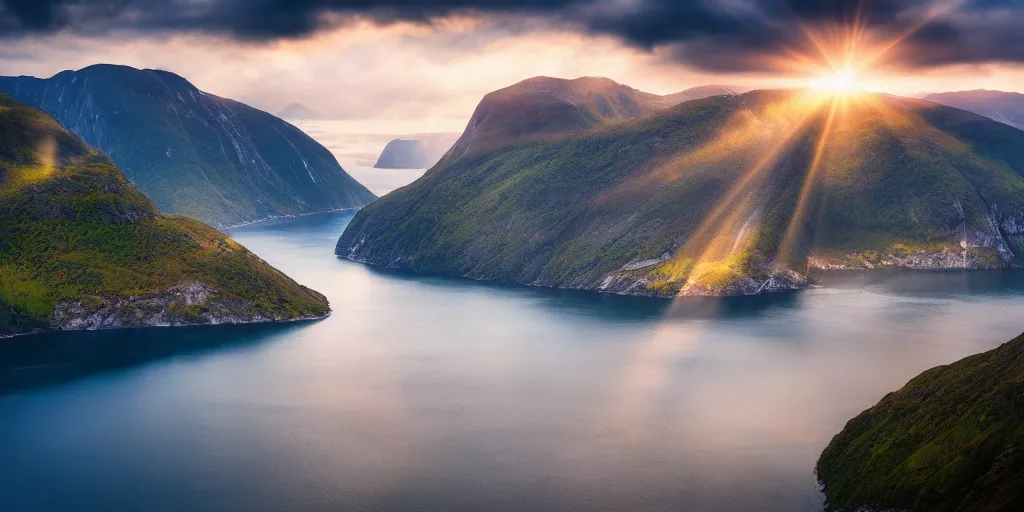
(842, 82)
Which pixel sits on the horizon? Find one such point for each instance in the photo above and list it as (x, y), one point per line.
(400, 129)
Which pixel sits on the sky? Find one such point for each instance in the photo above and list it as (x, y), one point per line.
(409, 66)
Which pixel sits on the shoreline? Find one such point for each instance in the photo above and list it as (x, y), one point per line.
(168, 326)
(813, 284)
(283, 217)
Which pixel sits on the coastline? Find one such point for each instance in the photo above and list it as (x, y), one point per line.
(811, 282)
(282, 217)
(170, 326)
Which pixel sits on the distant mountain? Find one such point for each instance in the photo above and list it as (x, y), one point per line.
(193, 153)
(1005, 107)
(299, 112)
(951, 439)
(696, 93)
(719, 196)
(421, 152)
(81, 248)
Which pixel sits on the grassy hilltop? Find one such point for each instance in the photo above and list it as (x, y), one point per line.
(80, 247)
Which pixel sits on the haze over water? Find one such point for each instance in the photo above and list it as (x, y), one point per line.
(423, 393)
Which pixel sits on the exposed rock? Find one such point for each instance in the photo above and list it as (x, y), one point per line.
(195, 303)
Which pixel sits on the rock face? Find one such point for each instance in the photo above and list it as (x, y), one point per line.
(732, 194)
(194, 303)
(81, 248)
(951, 440)
(421, 152)
(193, 153)
(1005, 107)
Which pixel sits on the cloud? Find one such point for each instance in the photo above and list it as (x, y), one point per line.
(716, 35)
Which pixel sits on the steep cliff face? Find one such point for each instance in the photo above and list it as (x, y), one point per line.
(81, 248)
(193, 153)
(951, 440)
(720, 196)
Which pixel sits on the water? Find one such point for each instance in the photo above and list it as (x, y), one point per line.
(435, 394)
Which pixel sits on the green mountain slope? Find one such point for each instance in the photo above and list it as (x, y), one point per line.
(723, 195)
(542, 108)
(81, 248)
(951, 440)
(193, 153)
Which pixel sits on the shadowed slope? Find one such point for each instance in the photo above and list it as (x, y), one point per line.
(81, 248)
(719, 196)
(193, 153)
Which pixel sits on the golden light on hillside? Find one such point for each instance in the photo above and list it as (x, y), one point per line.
(46, 153)
(837, 68)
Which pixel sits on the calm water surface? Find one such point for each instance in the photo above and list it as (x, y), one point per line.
(438, 394)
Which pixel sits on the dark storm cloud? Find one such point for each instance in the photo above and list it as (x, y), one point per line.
(710, 34)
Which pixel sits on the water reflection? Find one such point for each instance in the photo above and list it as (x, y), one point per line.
(52, 358)
(930, 283)
(426, 393)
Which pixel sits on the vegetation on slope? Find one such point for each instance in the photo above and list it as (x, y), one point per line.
(723, 195)
(193, 153)
(544, 108)
(77, 237)
(952, 439)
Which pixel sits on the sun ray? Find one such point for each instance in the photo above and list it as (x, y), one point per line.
(728, 201)
(788, 244)
(936, 10)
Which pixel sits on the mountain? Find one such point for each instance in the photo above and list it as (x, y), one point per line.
(543, 107)
(421, 152)
(952, 439)
(193, 153)
(81, 248)
(696, 93)
(719, 196)
(1005, 107)
(299, 112)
